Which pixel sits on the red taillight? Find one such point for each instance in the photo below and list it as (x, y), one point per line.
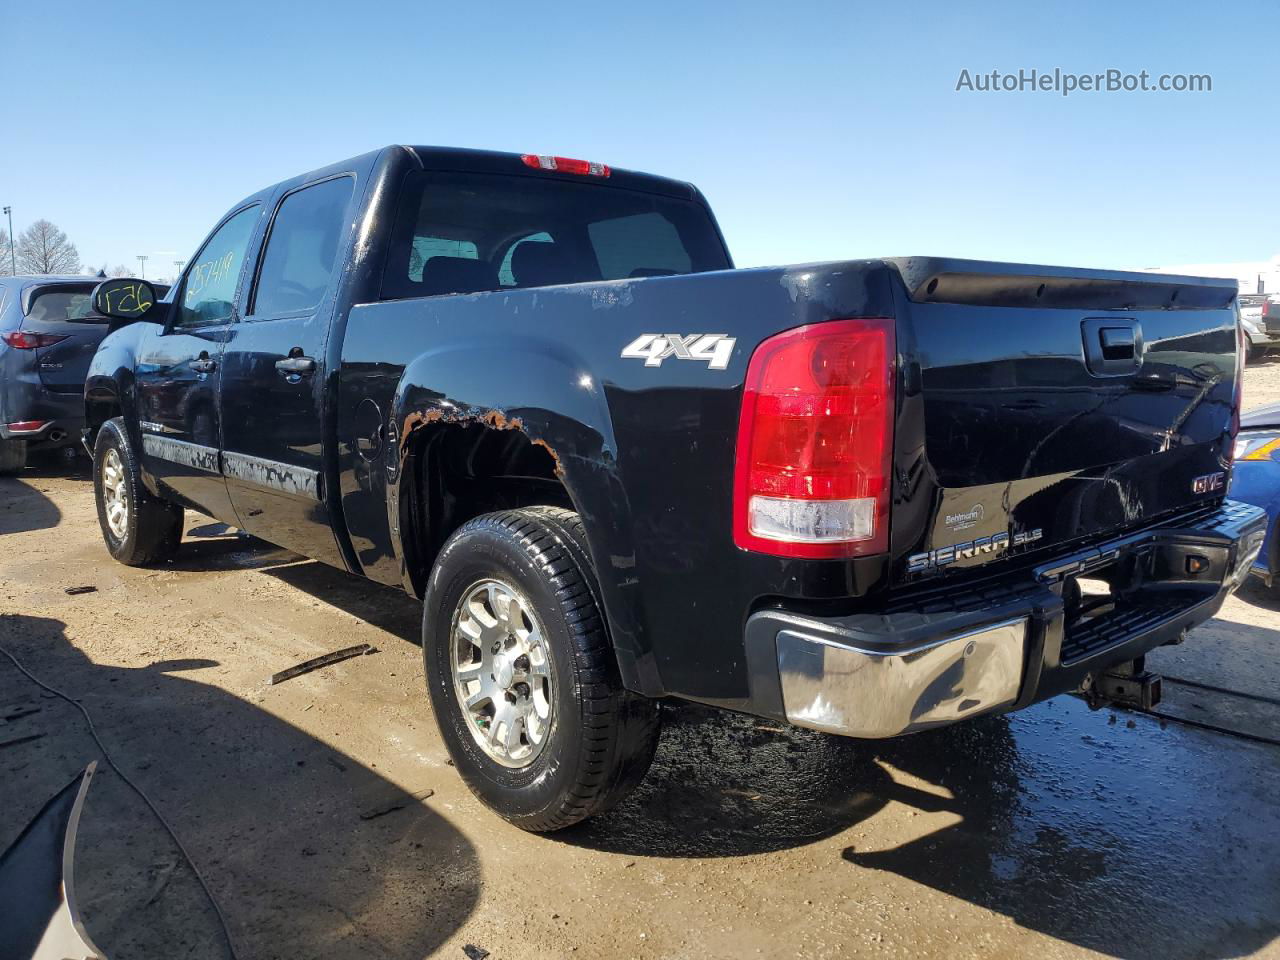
(26, 426)
(565, 165)
(1266, 308)
(21, 340)
(815, 442)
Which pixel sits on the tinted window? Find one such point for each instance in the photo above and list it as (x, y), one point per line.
(506, 277)
(209, 291)
(55, 307)
(300, 252)
(464, 233)
(641, 244)
(424, 248)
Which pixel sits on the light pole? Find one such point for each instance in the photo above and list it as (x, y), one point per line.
(178, 264)
(142, 265)
(13, 243)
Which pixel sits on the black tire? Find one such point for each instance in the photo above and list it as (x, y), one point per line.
(153, 527)
(1257, 353)
(13, 457)
(601, 738)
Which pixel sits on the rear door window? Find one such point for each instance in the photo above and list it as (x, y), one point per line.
(468, 233)
(297, 263)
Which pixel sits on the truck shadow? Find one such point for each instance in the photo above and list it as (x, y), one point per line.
(1134, 841)
(1255, 592)
(212, 546)
(24, 507)
(387, 608)
(308, 851)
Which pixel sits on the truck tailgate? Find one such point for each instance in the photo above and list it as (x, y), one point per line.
(1043, 407)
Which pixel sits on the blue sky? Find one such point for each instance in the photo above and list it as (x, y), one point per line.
(817, 130)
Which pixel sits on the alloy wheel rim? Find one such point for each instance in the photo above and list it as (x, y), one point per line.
(502, 673)
(113, 494)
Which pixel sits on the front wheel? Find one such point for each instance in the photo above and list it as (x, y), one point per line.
(521, 674)
(138, 528)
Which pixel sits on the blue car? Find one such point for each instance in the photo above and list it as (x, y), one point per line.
(48, 335)
(1256, 480)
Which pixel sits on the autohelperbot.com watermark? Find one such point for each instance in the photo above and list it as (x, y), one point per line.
(1065, 83)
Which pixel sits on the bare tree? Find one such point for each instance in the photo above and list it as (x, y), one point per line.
(119, 270)
(6, 262)
(43, 248)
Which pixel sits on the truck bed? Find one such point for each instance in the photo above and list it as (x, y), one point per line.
(1000, 427)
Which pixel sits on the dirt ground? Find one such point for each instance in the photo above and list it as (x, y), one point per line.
(1262, 381)
(1057, 832)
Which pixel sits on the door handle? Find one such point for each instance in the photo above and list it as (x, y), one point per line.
(295, 366)
(204, 365)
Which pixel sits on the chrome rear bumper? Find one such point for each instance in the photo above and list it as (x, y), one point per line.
(869, 693)
(933, 658)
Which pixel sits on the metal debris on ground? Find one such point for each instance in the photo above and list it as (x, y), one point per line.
(475, 953)
(323, 661)
(76, 591)
(398, 804)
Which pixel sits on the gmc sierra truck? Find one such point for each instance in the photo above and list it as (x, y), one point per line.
(865, 497)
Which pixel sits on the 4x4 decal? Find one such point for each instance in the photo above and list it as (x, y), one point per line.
(653, 348)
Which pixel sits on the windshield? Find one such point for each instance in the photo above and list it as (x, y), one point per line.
(464, 233)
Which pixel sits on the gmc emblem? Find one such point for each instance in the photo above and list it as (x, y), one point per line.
(1209, 482)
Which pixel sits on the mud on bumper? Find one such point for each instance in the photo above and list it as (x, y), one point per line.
(933, 658)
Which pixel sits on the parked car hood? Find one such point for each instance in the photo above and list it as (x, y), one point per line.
(1268, 416)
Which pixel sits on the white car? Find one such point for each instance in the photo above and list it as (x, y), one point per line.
(1250, 307)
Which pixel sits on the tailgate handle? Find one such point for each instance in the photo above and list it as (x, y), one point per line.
(1112, 346)
(1117, 343)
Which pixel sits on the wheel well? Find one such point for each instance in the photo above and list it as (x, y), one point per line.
(459, 471)
(97, 411)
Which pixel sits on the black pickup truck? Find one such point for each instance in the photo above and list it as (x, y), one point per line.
(866, 497)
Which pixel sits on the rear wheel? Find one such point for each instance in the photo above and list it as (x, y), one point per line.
(13, 456)
(138, 528)
(1256, 353)
(521, 674)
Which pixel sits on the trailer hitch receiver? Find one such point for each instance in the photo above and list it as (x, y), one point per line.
(1128, 684)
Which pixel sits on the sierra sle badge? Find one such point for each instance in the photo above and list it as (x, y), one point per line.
(982, 546)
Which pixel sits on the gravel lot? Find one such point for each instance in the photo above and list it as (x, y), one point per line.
(1058, 832)
(1262, 381)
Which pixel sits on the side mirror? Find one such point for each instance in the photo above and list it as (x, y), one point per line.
(124, 299)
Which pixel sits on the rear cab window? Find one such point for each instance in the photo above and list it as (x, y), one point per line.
(473, 232)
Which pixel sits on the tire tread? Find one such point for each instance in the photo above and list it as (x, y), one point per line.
(156, 524)
(620, 729)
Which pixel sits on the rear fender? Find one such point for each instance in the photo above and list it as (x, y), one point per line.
(546, 392)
